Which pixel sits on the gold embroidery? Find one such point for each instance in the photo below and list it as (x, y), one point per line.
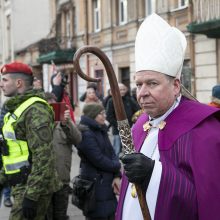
(147, 126)
(161, 125)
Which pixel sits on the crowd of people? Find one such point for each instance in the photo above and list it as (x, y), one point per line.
(175, 158)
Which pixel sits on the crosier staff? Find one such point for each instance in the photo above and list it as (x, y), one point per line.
(123, 125)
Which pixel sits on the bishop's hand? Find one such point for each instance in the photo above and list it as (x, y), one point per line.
(138, 168)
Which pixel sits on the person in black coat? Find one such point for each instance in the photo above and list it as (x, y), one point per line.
(98, 160)
(107, 98)
(130, 106)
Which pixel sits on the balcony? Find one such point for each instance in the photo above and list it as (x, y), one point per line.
(54, 49)
(206, 18)
(57, 56)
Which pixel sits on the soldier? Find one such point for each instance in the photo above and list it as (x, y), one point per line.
(28, 159)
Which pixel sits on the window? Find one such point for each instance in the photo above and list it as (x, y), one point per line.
(96, 15)
(125, 76)
(183, 3)
(8, 34)
(68, 34)
(123, 14)
(186, 75)
(67, 24)
(99, 74)
(150, 6)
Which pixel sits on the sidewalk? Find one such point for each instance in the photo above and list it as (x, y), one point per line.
(73, 212)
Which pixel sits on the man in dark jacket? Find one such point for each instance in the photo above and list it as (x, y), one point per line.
(130, 106)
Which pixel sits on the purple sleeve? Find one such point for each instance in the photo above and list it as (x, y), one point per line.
(189, 187)
(205, 167)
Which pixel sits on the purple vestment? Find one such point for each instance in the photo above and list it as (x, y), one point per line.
(189, 147)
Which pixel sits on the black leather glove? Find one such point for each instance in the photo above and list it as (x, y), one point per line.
(138, 168)
(29, 208)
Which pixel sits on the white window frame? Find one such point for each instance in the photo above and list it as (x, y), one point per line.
(8, 35)
(150, 7)
(68, 23)
(68, 33)
(123, 11)
(96, 15)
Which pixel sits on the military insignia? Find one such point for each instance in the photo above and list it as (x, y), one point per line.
(44, 134)
(147, 126)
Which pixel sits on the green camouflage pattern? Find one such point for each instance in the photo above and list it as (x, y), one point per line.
(16, 211)
(36, 126)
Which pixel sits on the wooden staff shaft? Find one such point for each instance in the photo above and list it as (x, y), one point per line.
(117, 101)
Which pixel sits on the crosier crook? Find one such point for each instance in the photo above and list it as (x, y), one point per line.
(123, 125)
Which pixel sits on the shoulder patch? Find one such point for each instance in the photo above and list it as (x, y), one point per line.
(44, 134)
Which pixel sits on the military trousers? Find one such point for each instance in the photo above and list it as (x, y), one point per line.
(42, 207)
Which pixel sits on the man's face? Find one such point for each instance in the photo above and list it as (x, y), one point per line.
(8, 85)
(155, 92)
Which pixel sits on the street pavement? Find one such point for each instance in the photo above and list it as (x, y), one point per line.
(73, 212)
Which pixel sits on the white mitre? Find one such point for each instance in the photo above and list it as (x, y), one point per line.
(159, 47)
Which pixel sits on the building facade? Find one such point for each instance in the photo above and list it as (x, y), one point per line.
(110, 25)
(22, 30)
(205, 29)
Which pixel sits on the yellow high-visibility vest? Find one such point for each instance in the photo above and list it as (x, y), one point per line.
(18, 149)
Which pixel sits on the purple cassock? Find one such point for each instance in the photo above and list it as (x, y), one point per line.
(189, 147)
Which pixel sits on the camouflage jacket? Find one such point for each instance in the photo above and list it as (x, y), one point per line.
(36, 126)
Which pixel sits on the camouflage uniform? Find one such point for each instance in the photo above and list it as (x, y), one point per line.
(36, 127)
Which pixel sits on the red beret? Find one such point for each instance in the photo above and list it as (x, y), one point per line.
(16, 67)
